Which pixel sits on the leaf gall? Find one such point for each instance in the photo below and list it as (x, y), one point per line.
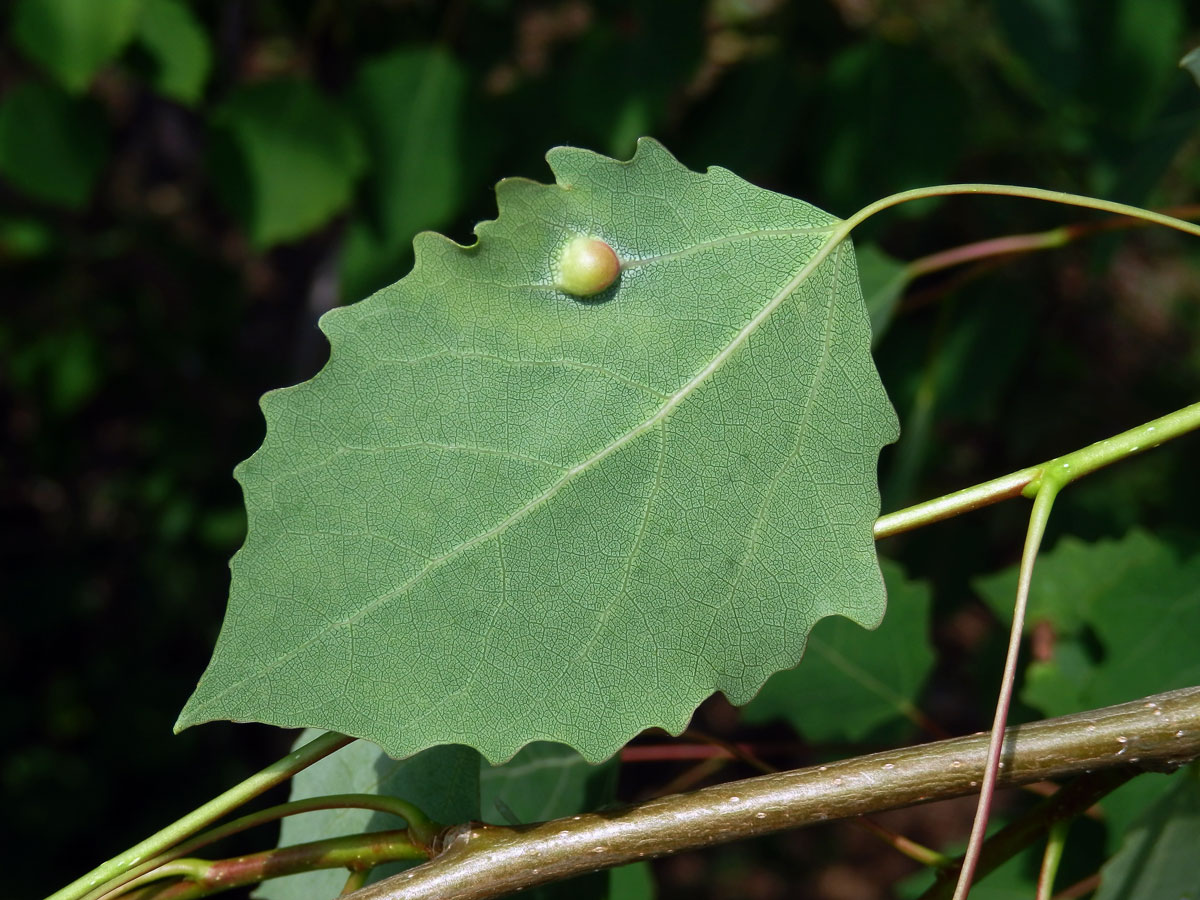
(585, 267)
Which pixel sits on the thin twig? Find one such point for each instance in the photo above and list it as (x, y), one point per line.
(1033, 540)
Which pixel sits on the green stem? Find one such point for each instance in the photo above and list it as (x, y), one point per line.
(1051, 858)
(992, 247)
(420, 828)
(355, 851)
(1040, 515)
(1025, 482)
(1073, 466)
(357, 879)
(1009, 190)
(1012, 244)
(274, 774)
(926, 856)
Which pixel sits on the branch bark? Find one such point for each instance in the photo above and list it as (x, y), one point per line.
(478, 861)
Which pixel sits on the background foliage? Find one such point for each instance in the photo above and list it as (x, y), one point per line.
(184, 188)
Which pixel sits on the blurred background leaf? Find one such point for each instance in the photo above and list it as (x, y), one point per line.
(52, 146)
(285, 160)
(443, 782)
(178, 49)
(72, 39)
(1152, 861)
(412, 108)
(853, 682)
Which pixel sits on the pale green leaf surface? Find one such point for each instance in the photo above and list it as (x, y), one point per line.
(178, 44)
(442, 782)
(1191, 64)
(1158, 857)
(452, 785)
(502, 515)
(853, 681)
(72, 39)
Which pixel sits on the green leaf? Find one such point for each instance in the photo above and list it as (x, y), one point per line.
(52, 146)
(1191, 64)
(632, 882)
(853, 681)
(544, 781)
(410, 105)
(502, 515)
(178, 44)
(1158, 856)
(286, 159)
(1125, 614)
(548, 781)
(442, 782)
(1141, 604)
(72, 39)
(1068, 580)
(884, 280)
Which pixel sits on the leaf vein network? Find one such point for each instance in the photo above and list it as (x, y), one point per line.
(769, 494)
(735, 343)
(556, 362)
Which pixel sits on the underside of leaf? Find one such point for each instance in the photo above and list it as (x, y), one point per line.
(503, 514)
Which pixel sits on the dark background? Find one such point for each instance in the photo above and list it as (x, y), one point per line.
(178, 207)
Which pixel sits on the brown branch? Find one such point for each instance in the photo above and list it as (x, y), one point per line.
(478, 861)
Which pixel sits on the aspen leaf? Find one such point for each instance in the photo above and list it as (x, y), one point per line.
(501, 514)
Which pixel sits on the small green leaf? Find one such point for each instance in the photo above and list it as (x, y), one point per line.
(500, 515)
(52, 146)
(72, 39)
(410, 105)
(1071, 577)
(1138, 600)
(442, 782)
(853, 681)
(884, 280)
(1191, 64)
(544, 781)
(287, 159)
(1125, 615)
(178, 44)
(451, 784)
(1158, 856)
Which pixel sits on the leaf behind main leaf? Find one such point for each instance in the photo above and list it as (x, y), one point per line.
(502, 515)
